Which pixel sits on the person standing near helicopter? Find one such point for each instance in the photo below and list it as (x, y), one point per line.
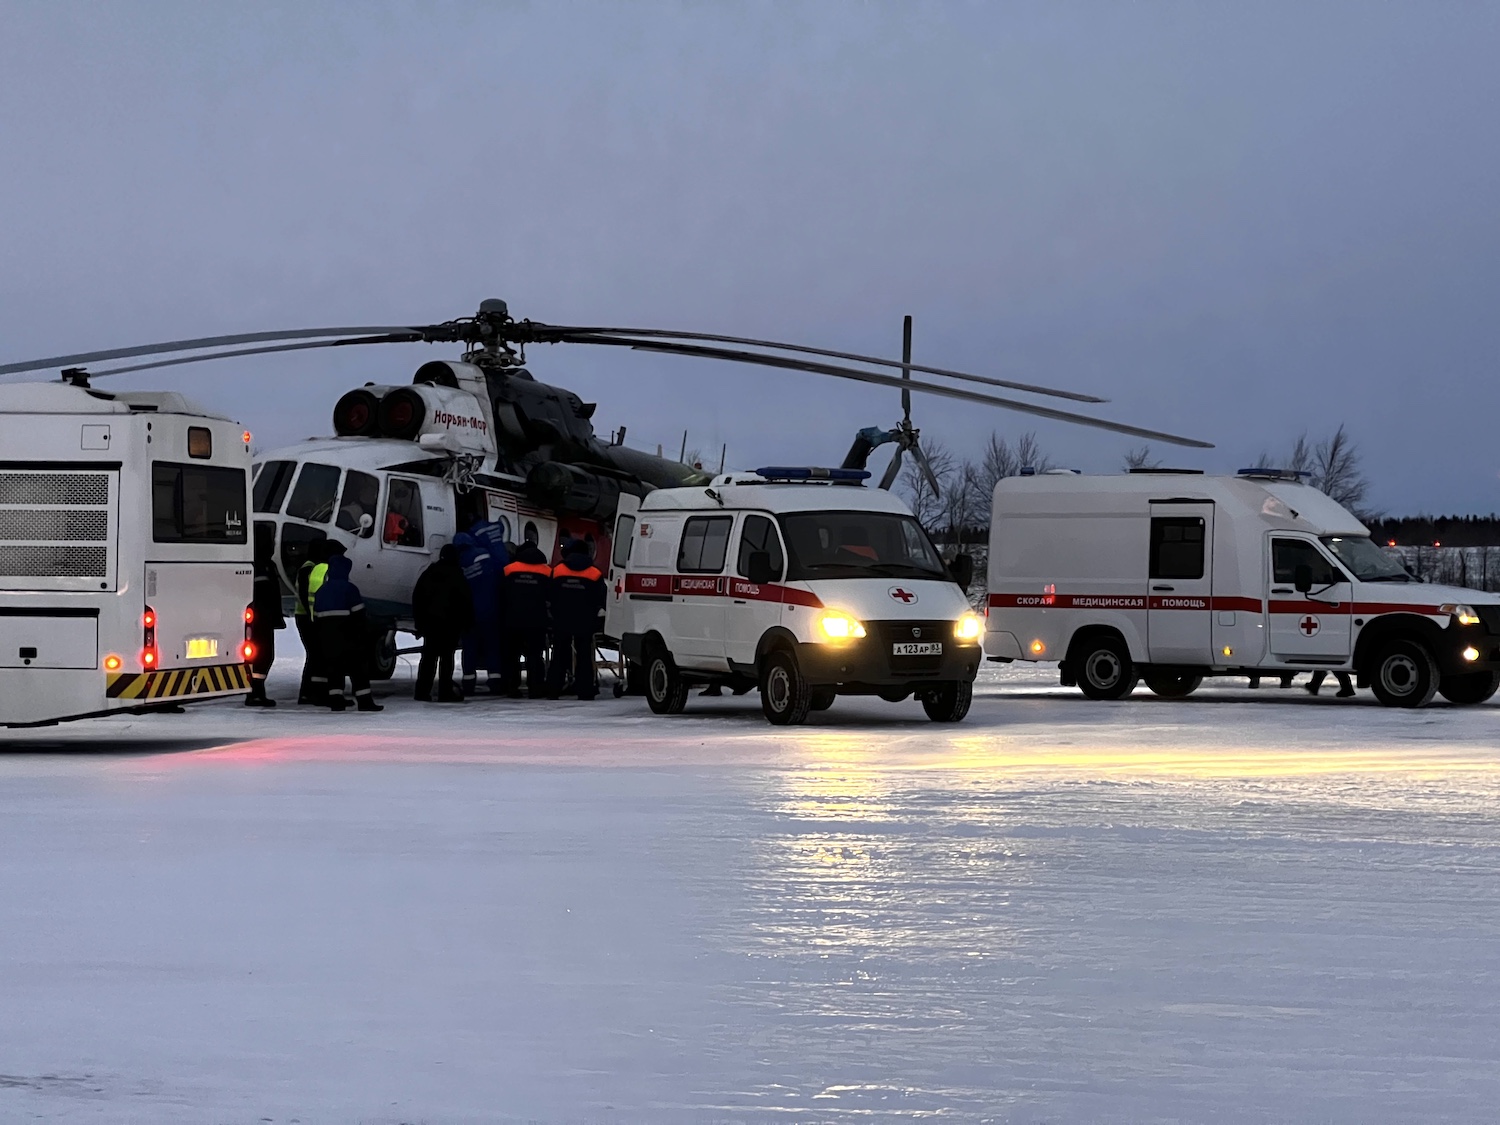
(482, 642)
(265, 616)
(578, 598)
(310, 577)
(339, 623)
(528, 585)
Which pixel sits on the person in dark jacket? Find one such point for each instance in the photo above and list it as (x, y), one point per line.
(265, 616)
(482, 642)
(491, 536)
(443, 611)
(578, 598)
(339, 622)
(310, 576)
(528, 581)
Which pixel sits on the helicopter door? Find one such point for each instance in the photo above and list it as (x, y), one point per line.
(617, 609)
(403, 540)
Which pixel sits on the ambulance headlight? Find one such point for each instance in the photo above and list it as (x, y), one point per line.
(836, 625)
(969, 627)
(1471, 654)
(1463, 614)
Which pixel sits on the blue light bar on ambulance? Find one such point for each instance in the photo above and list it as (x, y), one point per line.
(1264, 473)
(788, 472)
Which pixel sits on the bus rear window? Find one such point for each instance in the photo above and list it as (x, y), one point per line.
(198, 504)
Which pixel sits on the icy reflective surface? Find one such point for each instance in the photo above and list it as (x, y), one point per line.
(1249, 906)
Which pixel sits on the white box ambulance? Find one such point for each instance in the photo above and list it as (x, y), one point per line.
(801, 582)
(1172, 576)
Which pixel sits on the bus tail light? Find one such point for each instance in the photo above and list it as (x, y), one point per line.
(247, 650)
(148, 639)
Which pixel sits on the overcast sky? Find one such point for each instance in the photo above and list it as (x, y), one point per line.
(1235, 221)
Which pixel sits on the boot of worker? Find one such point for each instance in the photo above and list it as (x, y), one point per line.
(1346, 686)
(257, 696)
(336, 701)
(494, 683)
(364, 700)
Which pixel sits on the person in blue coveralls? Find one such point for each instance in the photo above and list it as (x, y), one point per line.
(338, 613)
(482, 642)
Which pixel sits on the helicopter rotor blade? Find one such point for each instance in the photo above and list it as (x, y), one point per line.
(906, 368)
(393, 338)
(922, 463)
(546, 333)
(206, 342)
(893, 381)
(893, 470)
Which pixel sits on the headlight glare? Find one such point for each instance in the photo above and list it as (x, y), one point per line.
(969, 627)
(836, 625)
(1463, 614)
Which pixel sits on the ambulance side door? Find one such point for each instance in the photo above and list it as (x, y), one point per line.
(753, 607)
(1179, 590)
(699, 588)
(617, 616)
(1313, 626)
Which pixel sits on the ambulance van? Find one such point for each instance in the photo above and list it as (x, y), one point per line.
(1169, 577)
(800, 582)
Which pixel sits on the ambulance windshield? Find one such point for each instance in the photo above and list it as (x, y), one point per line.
(1368, 562)
(858, 545)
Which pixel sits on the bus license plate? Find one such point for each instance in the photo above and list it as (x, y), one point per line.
(925, 648)
(202, 648)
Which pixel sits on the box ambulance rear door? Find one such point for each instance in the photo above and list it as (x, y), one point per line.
(1179, 605)
(616, 608)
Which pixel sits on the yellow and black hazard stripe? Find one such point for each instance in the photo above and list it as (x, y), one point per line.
(174, 683)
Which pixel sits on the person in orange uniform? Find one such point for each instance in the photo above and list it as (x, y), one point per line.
(578, 598)
(524, 593)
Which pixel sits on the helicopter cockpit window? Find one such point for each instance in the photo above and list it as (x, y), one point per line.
(361, 498)
(403, 514)
(271, 483)
(312, 498)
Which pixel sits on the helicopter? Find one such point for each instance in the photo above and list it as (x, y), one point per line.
(479, 437)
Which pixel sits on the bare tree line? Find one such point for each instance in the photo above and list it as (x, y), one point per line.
(959, 512)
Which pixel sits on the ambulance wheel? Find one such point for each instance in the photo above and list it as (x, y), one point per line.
(1173, 685)
(666, 693)
(1104, 668)
(822, 699)
(1404, 674)
(948, 702)
(1470, 688)
(785, 696)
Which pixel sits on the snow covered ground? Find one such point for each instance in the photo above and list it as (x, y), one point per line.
(1243, 907)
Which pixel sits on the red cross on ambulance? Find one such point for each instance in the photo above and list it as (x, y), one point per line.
(904, 596)
(1309, 625)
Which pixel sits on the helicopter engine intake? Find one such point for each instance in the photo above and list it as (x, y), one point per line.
(357, 413)
(411, 413)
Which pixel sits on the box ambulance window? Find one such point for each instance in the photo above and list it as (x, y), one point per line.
(705, 543)
(1176, 547)
(271, 485)
(624, 531)
(361, 498)
(312, 498)
(1288, 554)
(200, 441)
(403, 514)
(198, 504)
(759, 534)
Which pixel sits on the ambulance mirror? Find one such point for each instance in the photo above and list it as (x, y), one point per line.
(758, 566)
(1302, 578)
(962, 569)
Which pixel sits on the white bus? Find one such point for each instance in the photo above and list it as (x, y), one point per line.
(125, 553)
